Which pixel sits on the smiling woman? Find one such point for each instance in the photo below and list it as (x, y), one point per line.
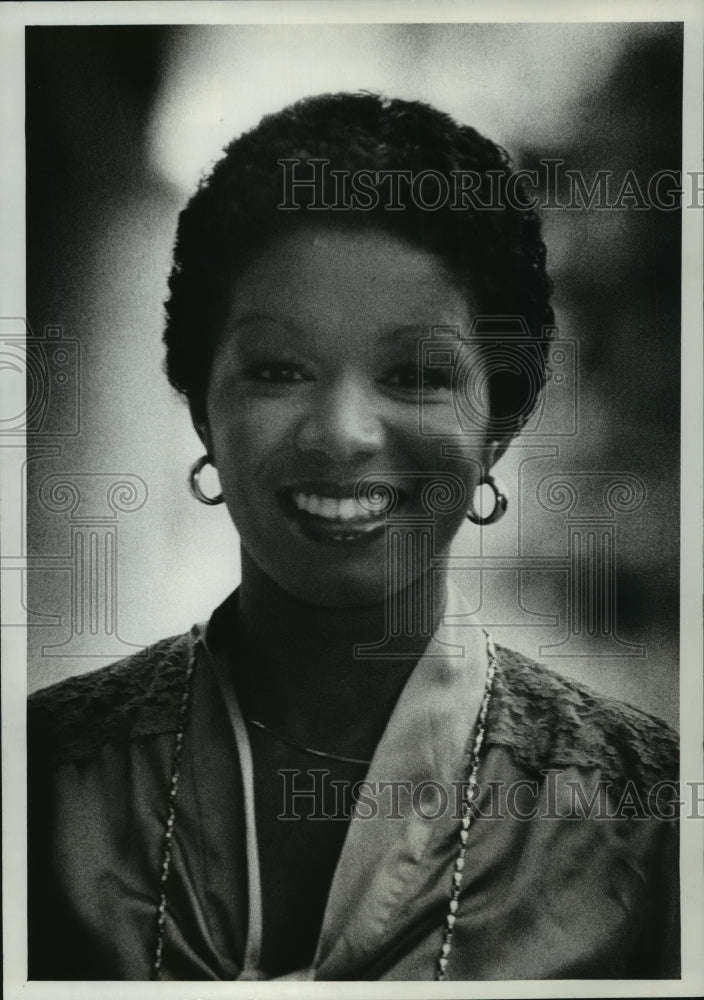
(308, 393)
(279, 794)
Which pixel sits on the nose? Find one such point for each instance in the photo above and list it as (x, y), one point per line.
(341, 423)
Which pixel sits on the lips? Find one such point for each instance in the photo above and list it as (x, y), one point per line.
(328, 512)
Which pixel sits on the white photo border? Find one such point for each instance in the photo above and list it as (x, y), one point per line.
(13, 19)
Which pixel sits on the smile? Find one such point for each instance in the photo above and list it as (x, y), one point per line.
(343, 510)
(331, 515)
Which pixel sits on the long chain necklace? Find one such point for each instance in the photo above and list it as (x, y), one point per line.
(169, 829)
(470, 792)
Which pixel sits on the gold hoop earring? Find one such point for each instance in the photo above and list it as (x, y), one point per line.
(194, 482)
(500, 503)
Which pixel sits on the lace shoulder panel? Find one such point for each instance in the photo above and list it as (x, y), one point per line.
(551, 721)
(136, 697)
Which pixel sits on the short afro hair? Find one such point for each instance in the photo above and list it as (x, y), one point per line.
(497, 254)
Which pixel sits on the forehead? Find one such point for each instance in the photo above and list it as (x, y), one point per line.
(341, 277)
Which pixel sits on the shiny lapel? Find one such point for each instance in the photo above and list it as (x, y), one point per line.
(389, 852)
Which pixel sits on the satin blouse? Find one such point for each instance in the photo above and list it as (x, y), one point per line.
(571, 868)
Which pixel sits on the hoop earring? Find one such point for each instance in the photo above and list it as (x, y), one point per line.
(500, 503)
(194, 482)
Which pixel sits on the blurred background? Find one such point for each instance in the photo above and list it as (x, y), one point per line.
(122, 122)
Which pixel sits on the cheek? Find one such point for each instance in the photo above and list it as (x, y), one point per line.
(453, 461)
(453, 467)
(248, 435)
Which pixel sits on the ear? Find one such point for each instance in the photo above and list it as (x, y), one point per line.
(202, 428)
(494, 450)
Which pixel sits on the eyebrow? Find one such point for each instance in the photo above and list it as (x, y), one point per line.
(289, 325)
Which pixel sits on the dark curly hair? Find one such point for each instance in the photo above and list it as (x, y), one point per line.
(498, 254)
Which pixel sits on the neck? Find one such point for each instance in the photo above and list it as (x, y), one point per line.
(297, 667)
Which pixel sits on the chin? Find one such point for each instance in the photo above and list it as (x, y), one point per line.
(351, 574)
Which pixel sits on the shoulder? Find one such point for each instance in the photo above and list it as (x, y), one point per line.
(551, 721)
(134, 698)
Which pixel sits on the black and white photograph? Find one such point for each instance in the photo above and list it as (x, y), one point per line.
(351, 444)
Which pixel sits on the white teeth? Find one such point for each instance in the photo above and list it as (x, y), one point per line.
(331, 508)
(347, 509)
(328, 508)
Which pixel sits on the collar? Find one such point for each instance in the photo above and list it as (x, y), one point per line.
(423, 749)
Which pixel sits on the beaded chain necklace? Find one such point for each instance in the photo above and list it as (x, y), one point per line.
(468, 797)
(470, 792)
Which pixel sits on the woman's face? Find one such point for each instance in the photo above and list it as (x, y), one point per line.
(314, 384)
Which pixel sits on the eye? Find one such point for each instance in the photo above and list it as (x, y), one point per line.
(410, 378)
(276, 373)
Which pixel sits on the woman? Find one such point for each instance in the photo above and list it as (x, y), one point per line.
(330, 780)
